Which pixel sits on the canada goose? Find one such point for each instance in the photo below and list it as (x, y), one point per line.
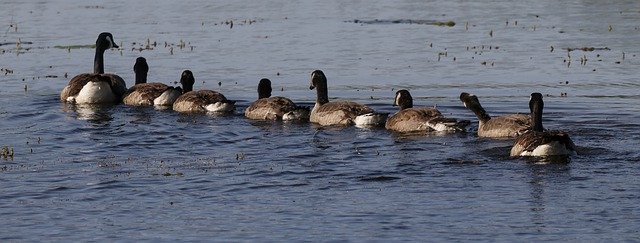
(538, 142)
(410, 119)
(496, 127)
(328, 113)
(97, 87)
(143, 93)
(200, 100)
(273, 108)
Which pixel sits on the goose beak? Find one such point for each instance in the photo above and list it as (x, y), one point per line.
(311, 87)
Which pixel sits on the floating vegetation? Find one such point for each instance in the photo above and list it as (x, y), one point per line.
(16, 43)
(6, 71)
(179, 174)
(589, 49)
(404, 21)
(140, 46)
(448, 23)
(231, 22)
(69, 47)
(7, 152)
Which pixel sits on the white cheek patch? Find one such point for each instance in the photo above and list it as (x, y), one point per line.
(397, 101)
(110, 42)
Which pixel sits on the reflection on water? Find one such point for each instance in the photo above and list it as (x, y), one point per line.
(99, 114)
(541, 177)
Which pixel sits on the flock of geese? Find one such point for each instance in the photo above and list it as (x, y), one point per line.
(531, 139)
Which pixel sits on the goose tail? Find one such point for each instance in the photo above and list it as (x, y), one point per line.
(442, 124)
(374, 119)
(221, 106)
(300, 113)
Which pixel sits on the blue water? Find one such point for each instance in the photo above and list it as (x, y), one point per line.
(125, 173)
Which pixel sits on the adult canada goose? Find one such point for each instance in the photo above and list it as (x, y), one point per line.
(143, 93)
(538, 142)
(410, 119)
(200, 100)
(274, 108)
(496, 127)
(343, 113)
(97, 87)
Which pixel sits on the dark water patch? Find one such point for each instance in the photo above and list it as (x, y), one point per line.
(497, 153)
(462, 162)
(276, 185)
(558, 159)
(614, 96)
(378, 178)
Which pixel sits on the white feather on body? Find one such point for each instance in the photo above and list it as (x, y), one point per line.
(94, 93)
(441, 127)
(296, 115)
(220, 107)
(167, 98)
(371, 119)
(548, 149)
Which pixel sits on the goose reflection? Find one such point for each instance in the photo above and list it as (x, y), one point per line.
(543, 177)
(94, 113)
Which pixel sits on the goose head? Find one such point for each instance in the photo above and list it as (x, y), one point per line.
(141, 69)
(319, 82)
(536, 106)
(318, 79)
(105, 41)
(187, 80)
(264, 88)
(403, 99)
(469, 99)
(472, 103)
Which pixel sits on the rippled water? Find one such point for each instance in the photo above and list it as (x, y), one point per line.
(120, 172)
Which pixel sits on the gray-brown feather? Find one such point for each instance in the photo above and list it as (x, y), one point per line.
(505, 126)
(144, 94)
(531, 140)
(271, 108)
(76, 84)
(118, 86)
(412, 119)
(338, 113)
(195, 101)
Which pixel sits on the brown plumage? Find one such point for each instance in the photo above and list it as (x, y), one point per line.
(328, 113)
(538, 142)
(201, 100)
(338, 113)
(114, 82)
(272, 108)
(267, 107)
(425, 119)
(143, 93)
(78, 82)
(528, 142)
(496, 127)
(197, 101)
